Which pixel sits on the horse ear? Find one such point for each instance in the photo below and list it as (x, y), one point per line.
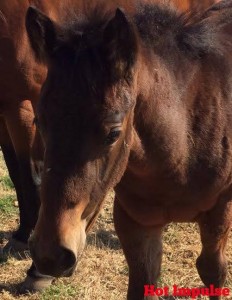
(120, 44)
(42, 34)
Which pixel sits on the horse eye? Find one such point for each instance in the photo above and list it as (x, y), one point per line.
(112, 136)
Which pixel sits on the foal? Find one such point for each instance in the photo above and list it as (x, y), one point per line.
(144, 105)
(20, 85)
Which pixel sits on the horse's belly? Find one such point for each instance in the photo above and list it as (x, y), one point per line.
(160, 215)
(152, 201)
(156, 210)
(185, 213)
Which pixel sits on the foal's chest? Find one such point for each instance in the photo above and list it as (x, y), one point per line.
(155, 200)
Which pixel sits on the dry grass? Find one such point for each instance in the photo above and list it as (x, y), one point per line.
(102, 273)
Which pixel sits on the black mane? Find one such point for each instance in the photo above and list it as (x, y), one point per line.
(160, 27)
(163, 27)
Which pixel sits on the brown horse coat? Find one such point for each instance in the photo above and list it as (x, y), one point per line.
(142, 104)
(20, 84)
(22, 77)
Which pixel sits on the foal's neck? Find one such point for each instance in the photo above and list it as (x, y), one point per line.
(161, 119)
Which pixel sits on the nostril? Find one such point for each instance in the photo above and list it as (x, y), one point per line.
(56, 261)
(67, 258)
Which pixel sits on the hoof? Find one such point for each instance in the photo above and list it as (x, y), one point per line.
(35, 284)
(16, 249)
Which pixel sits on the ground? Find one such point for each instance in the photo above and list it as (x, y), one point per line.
(102, 273)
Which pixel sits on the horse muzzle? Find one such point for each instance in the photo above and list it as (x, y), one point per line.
(59, 261)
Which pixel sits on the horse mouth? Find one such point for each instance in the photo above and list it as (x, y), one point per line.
(51, 268)
(55, 272)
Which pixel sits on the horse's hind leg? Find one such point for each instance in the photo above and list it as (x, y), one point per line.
(19, 122)
(143, 251)
(10, 158)
(214, 228)
(13, 169)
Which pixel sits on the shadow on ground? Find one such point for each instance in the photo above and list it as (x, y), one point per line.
(13, 289)
(6, 251)
(104, 239)
(5, 235)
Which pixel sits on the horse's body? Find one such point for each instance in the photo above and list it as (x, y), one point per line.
(22, 77)
(20, 85)
(144, 105)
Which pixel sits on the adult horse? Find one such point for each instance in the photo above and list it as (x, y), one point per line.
(20, 84)
(142, 104)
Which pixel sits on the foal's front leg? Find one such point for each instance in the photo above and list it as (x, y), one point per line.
(214, 228)
(142, 247)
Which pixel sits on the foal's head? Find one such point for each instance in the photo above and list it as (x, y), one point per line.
(85, 117)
